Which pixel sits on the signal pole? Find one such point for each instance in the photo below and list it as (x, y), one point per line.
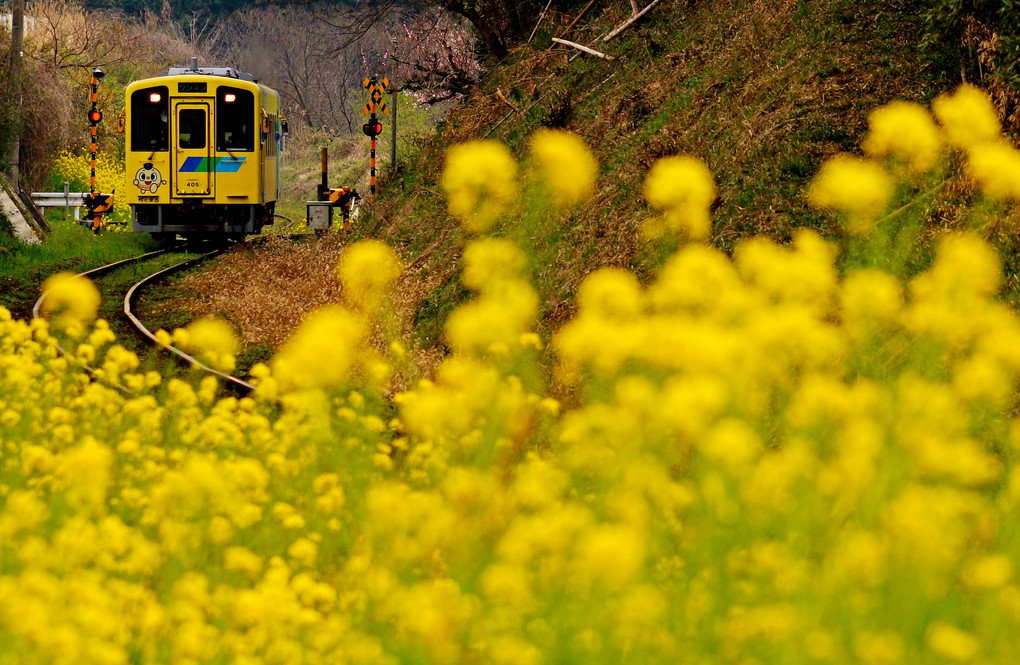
(373, 127)
(96, 204)
(95, 116)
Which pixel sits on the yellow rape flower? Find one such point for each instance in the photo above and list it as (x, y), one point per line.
(213, 341)
(488, 261)
(965, 268)
(304, 551)
(321, 352)
(858, 188)
(612, 554)
(480, 183)
(76, 296)
(242, 559)
(494, 321)
(682, 188)
(163, 338)
(610, 292)
(367, 268)
(87, 468)
(904, 130)
(992, 571)
(870, 297)
(732, 444)
(967, 117)
(949, 642)
(995, 166)
(883, 648)
(565, 165)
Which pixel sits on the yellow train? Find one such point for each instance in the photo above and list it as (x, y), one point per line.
(204, 153)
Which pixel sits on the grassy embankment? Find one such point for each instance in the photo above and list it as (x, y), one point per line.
(762, 92)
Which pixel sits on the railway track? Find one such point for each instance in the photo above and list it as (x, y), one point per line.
(131, 297)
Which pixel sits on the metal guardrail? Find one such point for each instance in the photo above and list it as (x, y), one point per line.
(65, 199)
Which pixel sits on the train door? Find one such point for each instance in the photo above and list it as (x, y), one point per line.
(193, 156)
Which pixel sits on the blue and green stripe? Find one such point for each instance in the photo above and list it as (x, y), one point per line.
(212, 164)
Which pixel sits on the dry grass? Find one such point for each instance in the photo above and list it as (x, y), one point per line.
(266, 290)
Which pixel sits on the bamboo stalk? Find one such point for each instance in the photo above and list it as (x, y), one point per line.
(629, 22)
(530, 37)
(583, 48)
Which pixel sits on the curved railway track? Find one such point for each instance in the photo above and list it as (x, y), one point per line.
(131, 300)
(131, 297)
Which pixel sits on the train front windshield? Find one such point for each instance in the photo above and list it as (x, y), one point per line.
(235, 120)
(150, 119)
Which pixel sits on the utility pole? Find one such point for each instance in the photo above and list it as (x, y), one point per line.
(393, 133)
(14, 76)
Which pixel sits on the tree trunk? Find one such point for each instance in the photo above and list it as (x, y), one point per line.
(494, 43)
(14, 76)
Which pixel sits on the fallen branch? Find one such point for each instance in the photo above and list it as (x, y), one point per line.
(584, 48)
(629, 22)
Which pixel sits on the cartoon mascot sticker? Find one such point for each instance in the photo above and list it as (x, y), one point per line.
(148, 179)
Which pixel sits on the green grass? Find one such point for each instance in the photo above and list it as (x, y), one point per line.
(70, 247)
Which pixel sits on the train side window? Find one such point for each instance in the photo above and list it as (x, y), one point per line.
(235, 120)
(191, 129)
(150, 119)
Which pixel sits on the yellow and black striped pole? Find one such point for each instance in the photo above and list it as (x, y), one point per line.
(371, 159)
(93, 125)
(95, 116)
(373, 127)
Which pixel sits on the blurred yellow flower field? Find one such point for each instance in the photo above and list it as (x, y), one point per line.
(774, 458)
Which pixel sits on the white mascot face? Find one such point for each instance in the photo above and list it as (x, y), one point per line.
(148, 179)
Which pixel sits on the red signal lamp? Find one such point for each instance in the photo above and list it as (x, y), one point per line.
(95, 116)
(372, 128)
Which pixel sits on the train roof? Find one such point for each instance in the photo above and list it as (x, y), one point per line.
(194, 70)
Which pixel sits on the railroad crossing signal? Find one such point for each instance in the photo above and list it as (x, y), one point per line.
(375, 93)
(97, 205)
(373, 127)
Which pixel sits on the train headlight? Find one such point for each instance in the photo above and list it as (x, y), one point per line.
(155, 97)
(229, 98)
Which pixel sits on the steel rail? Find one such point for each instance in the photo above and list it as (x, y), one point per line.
(109, 267)
(101, 270)
(130, 298)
